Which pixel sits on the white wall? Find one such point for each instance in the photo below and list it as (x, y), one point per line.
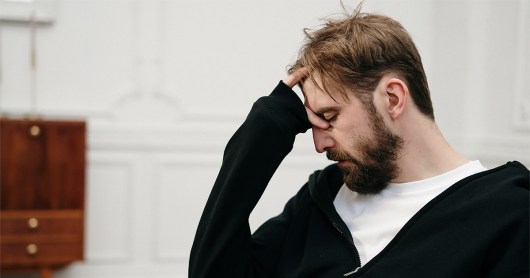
(164, 84)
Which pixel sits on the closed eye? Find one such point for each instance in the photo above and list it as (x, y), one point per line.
(329, 120)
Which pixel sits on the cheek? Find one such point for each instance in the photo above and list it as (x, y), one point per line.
(353, 129)
(354, 137)
(346, 138)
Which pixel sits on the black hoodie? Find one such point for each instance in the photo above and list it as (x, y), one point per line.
(478, 227)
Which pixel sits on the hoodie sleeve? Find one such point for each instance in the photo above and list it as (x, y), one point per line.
(223, 245)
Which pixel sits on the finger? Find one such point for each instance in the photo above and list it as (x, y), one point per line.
(295, 77)
(316, 120)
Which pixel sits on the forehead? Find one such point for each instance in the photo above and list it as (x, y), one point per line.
(317, 99)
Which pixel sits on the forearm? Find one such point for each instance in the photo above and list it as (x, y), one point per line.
(223, 244)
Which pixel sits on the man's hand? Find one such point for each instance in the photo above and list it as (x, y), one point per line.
(292, 80)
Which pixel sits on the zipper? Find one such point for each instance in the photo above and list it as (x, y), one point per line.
(352, 272)
(311, 184)
(352, 245)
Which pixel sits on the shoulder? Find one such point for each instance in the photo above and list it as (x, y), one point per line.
(497, 196)
(510, 178)
(498, 193)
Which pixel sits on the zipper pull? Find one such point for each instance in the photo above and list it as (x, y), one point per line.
(352, 272)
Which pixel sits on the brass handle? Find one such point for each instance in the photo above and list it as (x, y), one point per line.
(34, 131)
(33, 223)
(31, 249)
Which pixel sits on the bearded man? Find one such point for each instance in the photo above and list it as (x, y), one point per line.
(399, 202)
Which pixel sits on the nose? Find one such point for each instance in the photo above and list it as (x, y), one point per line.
(323, 140)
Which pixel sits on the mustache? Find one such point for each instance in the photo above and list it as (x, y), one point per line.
(338, 155)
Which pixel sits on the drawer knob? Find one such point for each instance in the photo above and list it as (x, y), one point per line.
(31, 249)
(33, 223)
(34, 131)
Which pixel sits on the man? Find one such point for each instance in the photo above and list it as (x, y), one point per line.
(399, 202)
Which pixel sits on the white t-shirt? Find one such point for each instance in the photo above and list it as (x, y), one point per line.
(374, 220)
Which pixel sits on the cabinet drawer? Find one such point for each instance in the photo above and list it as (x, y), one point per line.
(43, 164)
(35, 254)
(41, 222)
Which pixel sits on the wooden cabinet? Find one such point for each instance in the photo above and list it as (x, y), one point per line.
(42, 174)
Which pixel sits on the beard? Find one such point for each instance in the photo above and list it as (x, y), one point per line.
(377, 164)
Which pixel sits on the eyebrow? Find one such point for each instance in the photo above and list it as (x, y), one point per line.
(320, 112)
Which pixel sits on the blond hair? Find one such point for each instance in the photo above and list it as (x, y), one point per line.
(357, 50)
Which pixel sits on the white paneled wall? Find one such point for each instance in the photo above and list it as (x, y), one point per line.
(109, 209)
(521, 100)
(164, 83)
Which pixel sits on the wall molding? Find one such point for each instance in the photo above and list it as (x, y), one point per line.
(108, 161)
(172, 163)
(213, 137)
(89, 270)
(522, 93)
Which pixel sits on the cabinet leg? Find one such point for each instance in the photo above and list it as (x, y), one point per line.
(46, 273)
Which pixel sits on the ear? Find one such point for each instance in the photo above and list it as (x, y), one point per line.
(397, 93)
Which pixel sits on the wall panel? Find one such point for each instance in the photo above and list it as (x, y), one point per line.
(108, 208)
(522, 68)
(183, 185)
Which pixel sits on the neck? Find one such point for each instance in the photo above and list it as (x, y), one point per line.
(425, 152)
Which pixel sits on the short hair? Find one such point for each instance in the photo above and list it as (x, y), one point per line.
(357, 50)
